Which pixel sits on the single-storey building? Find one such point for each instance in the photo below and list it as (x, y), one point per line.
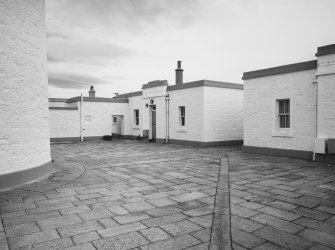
(201, 113)
(290, 110)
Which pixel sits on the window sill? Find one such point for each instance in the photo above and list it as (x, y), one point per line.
(282, 133)
(183, 130)
(137, 128)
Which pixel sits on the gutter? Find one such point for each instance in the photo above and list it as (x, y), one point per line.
(167, 106)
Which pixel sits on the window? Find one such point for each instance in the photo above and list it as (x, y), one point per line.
(137, 117)
(283, 113)
(182, 116)
(114, 119)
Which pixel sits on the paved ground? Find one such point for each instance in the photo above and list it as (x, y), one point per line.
(134, 195)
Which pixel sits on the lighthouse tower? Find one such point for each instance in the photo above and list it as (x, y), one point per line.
(24, 122)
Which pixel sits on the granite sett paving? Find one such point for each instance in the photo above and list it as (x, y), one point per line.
(125, 194)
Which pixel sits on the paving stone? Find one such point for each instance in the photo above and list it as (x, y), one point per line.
(311, 213)
(328, 210)
(122, 229)
(203, 246)
(79, 228)
(282, 238)
(3, 244)
(163, 211)
(176, 243)
(199, 211)
(188, 196)
(277, 223)
(49, 208)
(95, 214)
(269, 246)
(245, 239)
(279, 213)
(33, 238)
(284, 193)
(319, 237)
(202, 235)
(243, 211)
(74, 210)
(129, 218)
(13, 214)
(204, 221)
(21, 229)
(124, 241)
(180, 227)
(108, 222)
(59, 221)
(193, 204)
(17, 207)
(245, 224)
(234, 245)
(85, 237)
(315, 224)
(162, 202)
(167, 219)
(251, 205)
(30, 218)
(118, 210)
(319, 247)
(154, 234)
(88, 196)
(331, 220)
(52, 202)
(86, 246)
(137, 206)
(283, 205)
(52, 244)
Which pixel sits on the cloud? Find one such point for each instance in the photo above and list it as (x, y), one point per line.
(74, 81)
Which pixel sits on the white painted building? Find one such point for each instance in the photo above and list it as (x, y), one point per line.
(202, 113)
(290, 110)
(24, 123)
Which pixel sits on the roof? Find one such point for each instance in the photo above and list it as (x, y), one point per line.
(130, 94)
(289, 68)
(326, 50)
(207, 83)
(90, 99)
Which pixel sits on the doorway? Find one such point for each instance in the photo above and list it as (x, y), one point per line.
(152, 133)
(117, 125)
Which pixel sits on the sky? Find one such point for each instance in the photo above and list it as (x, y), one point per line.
(119, 45)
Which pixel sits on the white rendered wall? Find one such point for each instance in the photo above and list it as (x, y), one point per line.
(326, 96)
(100, 114)
(260, 96)
(193, 100)
(137, 102)
(24, 126)
(64, 123)
(223, 114)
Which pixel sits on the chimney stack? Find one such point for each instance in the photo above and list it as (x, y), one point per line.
(179, 74)
(91, 92)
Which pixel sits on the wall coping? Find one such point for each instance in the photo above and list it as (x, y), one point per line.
(206, 83)
(289, 68)
(130, 94)
(63, 108)
(97, 99)
(154, 84)
(326, 50)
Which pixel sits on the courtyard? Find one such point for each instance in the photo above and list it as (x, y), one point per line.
(124, 194)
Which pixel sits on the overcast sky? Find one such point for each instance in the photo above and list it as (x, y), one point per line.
(118, 45)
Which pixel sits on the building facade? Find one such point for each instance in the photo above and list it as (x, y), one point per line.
(24, 124)
(201, 113)
(290, 110)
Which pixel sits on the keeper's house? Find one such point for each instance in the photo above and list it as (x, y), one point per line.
(200, 113)
(290, 110)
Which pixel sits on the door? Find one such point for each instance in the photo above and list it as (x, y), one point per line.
(117, 122)
(153, 120)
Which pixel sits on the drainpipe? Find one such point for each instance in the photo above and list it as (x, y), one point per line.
(316, 110)
(167, 106)
(80, 122)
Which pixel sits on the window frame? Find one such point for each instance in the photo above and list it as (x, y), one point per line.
(182, 116)
(283, 113)
(136, 117)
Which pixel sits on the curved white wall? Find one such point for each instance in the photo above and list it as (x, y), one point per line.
(24, 125)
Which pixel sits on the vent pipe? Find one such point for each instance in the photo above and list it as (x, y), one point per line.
(179, 74)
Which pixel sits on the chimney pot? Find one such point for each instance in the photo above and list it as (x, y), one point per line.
(91, 92)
